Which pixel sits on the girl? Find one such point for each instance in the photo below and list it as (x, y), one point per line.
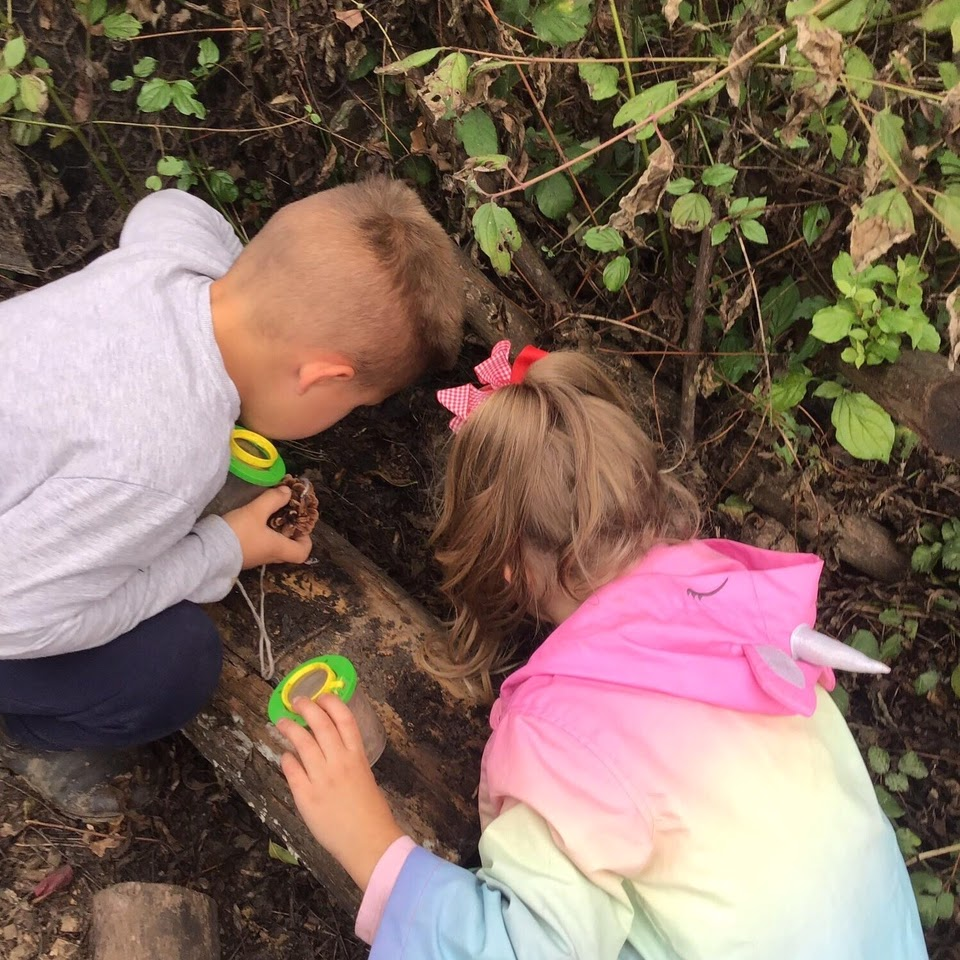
(667, 775)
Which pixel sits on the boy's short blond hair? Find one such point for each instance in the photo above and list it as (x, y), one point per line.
(365, 270)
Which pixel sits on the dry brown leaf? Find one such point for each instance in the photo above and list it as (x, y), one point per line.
(873, 237)
(99, 848)
(70, 925)
(645, 196)
(671, 10)
(350, 18)
(953, 329)
(822, 46)
(62, 949)
(743, 43)
(733, 305)
(146, 12)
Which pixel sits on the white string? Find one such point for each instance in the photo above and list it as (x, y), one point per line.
(265, 644)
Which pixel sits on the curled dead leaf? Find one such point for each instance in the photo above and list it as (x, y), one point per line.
(743, 43)
(822, 47)
(349, 18)
(953, 329)
(733, 305)
(671, 10)
(646, 195)
(882, 222)
(56, 880)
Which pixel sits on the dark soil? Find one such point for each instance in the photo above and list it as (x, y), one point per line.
(373, 474)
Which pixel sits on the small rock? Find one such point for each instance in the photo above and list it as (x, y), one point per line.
(10, 932)
(70, 925)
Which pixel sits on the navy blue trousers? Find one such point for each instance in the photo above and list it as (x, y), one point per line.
(140, 687)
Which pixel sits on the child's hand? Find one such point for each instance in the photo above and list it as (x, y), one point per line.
(258, 542)
(334, 789)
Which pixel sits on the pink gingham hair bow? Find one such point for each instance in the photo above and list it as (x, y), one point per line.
(493, 373)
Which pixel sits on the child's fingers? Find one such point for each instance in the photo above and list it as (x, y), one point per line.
(292, 551)
(304, 743)
(295, 775)
(322, 725)
(344, 720)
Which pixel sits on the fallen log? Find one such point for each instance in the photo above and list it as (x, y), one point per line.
(343, 604)
(919, 391)
(145, 921)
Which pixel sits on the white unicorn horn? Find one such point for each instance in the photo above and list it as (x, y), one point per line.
(817, 648)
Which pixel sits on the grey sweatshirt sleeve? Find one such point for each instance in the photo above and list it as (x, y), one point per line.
(83, 561)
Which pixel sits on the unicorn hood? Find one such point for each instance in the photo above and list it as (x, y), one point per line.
(710, 620)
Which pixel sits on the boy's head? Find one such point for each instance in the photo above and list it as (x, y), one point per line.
(341, 300)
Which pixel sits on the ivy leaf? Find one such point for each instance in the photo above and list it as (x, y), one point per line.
(496, 232)
(33, 93)
(144, 67)
(754, 231)
(185, 99)
(562, 21)
(223, 186)
(913, 766)
(833, 323)
(555, 197)
(603, 239)
(646, 103)
(602, 79)
(14, 52)
(879, 760)
(908, 841)
(478, 134)
(8, 87)
(691, 212)
(121, 26)
(815, 219)
(419, 59)
(718, 175)
(897, 782)
(864, 428)
(170, 166)
(888, 803)
(155, 95)
(615, 273)
(939, 17)
(859, 71)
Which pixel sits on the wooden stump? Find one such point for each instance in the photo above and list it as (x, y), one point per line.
(344, 604)
(147, 921)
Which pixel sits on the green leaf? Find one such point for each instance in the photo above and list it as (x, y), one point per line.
(14, 52)
(913, 766)
(208, 53)
(864, 428)
(478, 134)
(955, 681)
(926, 682)
(883, 220)
(891, 617)
(33, 93)
(839, 138)
(848, 19)
(891, 648)
(121, 26)
(419, 59)
(815, 219)
(829, 390)
(888, 803)
(171, 166)
(908, 841)
(555, 197)
(443, 89)
(718, 175)
(8, 87)
(144, 67)
(735, 368)
(787, 391)
(603, 239)
(897, 782)
(841, 698)
(185, 99)
(754, 231)
(24, 131)
(720, 232)
(95, 10)
(223, 186)
(602, 79)
(561, 21)
(859, 71)
(496, 232)
(879, 760)
(925, 557)
(680, 186)
(833, 323)
(947, 206)
(691, 212)
(747, 207)
(646, 103)
(888, 129)
(940, 16)
(155, 95)
(949, 74)
(865, 642)
(276, 852)
(153, 183)
(946, 903)
(615, 273)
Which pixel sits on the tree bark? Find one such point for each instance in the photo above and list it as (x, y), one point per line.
(344, 604)
(147, 921)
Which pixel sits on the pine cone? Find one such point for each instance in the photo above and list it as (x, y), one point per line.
(300, 515)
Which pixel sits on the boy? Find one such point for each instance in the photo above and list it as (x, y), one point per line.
(119, 386)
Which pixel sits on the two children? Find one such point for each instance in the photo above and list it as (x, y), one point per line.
(119, 387)
(667, 776)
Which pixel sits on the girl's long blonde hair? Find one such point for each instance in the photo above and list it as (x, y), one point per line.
(551, 484)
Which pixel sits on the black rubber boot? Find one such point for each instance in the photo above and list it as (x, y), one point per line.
(88, 785)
